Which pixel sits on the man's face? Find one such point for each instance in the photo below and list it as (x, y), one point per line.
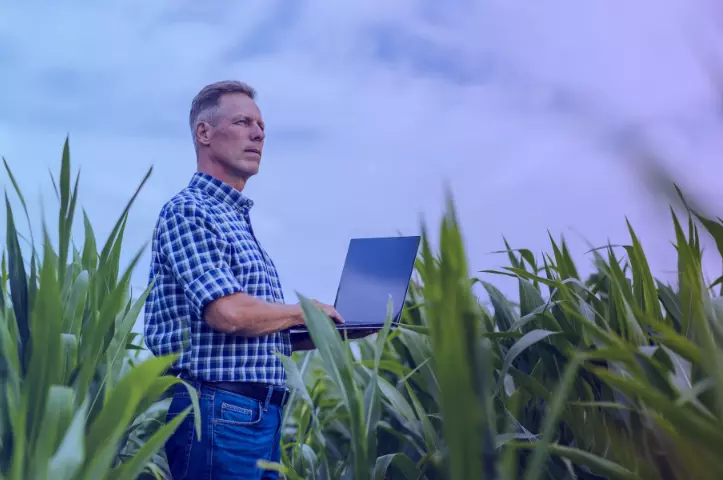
(236, 139)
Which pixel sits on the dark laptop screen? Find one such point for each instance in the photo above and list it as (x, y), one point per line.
(375, 268)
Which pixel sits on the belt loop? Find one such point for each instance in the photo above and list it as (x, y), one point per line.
(269, 392)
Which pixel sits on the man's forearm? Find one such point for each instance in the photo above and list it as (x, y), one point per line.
(245, 315)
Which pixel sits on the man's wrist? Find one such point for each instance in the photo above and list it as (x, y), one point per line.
(296, 315)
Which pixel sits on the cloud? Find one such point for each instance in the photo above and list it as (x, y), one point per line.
(372, 108)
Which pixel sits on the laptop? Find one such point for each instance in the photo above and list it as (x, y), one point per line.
(374, 269)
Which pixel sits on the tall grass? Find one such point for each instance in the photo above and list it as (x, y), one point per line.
(617, 375)
(72, 401)
(614, 376)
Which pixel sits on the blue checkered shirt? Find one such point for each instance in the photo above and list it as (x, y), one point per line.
(204, 248)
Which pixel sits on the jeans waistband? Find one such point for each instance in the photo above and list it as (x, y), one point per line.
(265, 393)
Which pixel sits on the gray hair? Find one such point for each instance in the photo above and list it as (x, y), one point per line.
(204, 106)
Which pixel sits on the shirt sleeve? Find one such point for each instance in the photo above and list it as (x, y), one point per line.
(198, 256)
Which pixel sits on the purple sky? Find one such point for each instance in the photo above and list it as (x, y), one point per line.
(373, 106)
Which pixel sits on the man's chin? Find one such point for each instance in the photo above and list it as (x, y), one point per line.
(248, 168)
(252, 168)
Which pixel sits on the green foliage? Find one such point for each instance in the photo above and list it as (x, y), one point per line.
(72, 400)
(618, 375)
(614, 376)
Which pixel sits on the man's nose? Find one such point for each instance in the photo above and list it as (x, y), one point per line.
(257, 133)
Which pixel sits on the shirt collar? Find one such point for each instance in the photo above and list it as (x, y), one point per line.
(220, 190)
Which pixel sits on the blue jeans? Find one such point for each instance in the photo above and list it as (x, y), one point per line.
(236, 431)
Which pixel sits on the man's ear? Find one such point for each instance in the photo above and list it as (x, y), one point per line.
(203, 133)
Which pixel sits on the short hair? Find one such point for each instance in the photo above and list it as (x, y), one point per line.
(205, 104)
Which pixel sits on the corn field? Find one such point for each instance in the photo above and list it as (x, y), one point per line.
(617, 375)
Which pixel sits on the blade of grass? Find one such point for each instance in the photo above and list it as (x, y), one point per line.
(535, 467)
(598, 465)
(18, 289)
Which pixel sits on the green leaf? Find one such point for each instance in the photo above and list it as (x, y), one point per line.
(56, 419)
(74, 307)
(505, 316)
(687, 421)
(18, 288)
(45, 367)
(113, 239)
(528, 340)
(117, 347)
(530, 297)
(70, 455)
(69, 347)
(107, 428)
(671, 303)
(597, 464)
(132, 469)
(277, 467)
(534, 469)
(337, 363)
(455, 322)
(22, 199)
(398, 462)
(643, 282)
(90, 253)
(294, 380)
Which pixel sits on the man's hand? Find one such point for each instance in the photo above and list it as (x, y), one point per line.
(329, 311)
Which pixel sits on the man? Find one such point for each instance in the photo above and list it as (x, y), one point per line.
(217, 299)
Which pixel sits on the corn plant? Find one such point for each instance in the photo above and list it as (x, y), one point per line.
(614, 376)
(646, 400)
(617, 375)
(70, 403)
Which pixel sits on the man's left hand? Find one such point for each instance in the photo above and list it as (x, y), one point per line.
(330, 311)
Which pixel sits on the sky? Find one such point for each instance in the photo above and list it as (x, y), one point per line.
(532, 114)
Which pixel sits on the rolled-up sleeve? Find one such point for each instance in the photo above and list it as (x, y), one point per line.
(198, 256)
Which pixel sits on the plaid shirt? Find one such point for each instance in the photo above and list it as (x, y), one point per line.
(204, 248)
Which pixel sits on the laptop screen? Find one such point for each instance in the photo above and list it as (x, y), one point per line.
(375, 268)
